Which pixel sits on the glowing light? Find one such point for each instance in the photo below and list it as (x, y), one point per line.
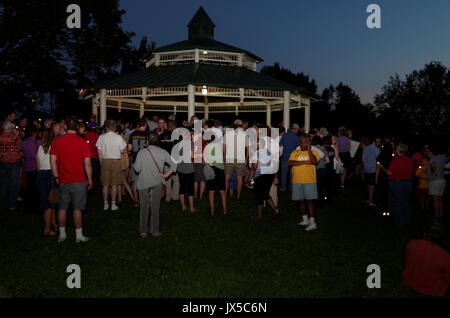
(205, 52)
(204, 90)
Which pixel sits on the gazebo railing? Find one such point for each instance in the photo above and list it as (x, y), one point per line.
(127, 92)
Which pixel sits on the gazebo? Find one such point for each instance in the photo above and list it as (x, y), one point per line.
(199, 76)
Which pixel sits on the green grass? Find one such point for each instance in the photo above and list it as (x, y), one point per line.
(203, 256)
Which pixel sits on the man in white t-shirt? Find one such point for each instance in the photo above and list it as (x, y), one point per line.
(110, 147)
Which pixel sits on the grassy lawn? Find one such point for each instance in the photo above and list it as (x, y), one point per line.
(203, 256)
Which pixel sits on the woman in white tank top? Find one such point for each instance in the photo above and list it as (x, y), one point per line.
(44, 183)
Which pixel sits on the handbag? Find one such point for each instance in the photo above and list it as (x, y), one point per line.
(163, 194)
(208, 172)
(53, 196)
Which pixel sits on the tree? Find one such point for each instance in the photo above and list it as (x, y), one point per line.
(299, 79)
(44, 60)
(421, 101)
(132, 61)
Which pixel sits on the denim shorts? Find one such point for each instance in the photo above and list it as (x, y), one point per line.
(304, 191)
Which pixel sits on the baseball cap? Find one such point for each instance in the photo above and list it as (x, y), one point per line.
(295, 126)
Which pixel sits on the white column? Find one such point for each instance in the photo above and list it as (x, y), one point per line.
(197, 56)
(95, 104)
(156, 59)
(144, 94)
(240, 59)
(241, 95)
(191, 101)
(120, 106)
(206, 112)
(141, 110)
(268, 115)
(307, 115)
(286, 112)
(102, 106)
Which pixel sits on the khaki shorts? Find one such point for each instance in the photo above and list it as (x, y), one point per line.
(238, 167)
(111, 172)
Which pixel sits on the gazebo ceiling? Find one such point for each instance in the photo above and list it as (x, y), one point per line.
(198, 74)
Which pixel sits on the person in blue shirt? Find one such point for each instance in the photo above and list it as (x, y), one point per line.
(290, 141)
(369, 162)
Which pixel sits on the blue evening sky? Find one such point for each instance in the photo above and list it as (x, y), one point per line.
(327, 39)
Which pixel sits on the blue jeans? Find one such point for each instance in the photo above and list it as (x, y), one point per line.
(400, 202)
(10, 177)
(286, 176)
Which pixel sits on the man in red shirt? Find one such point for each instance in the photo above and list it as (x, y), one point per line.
(92, 138)
(70, 157)
(400, 174)
(427, 268)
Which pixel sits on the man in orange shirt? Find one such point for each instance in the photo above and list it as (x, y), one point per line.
(427, 268)
(304, 180)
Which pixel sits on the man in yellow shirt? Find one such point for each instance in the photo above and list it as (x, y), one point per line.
(304, 182)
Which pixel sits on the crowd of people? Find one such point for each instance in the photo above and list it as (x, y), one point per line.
(54, 164)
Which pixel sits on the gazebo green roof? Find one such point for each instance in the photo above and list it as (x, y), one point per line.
(198, 74)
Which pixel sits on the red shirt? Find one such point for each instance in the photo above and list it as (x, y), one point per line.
(70, 151)
(427, 268)
(92, 138)
(402, 168)
(10, 148)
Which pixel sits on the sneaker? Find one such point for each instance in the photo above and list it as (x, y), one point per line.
(19, 199)
(114, 207)
(304, 223)
(82, 240)
(311, 227)
(342, 186)
(105, 206)
(62, 239)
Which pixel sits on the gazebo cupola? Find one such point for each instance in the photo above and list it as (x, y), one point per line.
(202, 48)
(201, 26)
(199, 76)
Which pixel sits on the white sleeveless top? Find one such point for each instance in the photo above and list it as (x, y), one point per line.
(44, 159)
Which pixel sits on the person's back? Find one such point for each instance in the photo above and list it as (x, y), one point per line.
(369, 158)
(70, 151)
(427, 268)
(440, 161)
(343, 143)
(137, 141)
(290, 141)
(30, 147)
(149, 164)
(92, 138)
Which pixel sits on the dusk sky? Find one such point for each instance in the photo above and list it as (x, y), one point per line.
(326, 39)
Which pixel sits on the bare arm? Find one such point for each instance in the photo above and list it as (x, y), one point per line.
(312, 157)
(54, 167)
(100, 156)
(299, 163)
(253, 170)
(433, 168)
(88, 168)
